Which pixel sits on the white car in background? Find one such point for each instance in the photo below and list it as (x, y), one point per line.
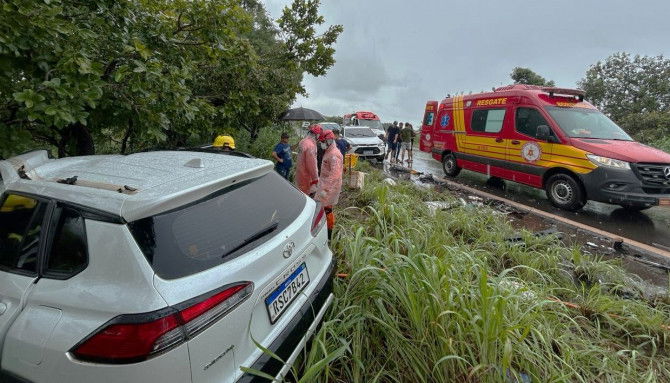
(156, 267)
(364, 142)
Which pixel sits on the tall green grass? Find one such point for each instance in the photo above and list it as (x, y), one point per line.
(444, 298)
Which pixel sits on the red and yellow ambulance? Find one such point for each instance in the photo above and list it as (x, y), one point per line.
(369, 119)
(547, 138)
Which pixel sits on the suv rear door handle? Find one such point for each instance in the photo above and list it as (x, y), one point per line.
(515, 142)
(499, 140)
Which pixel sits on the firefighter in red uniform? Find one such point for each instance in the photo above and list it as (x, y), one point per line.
(307, 171)
(330, 180)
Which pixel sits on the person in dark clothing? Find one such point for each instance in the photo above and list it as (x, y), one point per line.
(392, 141)
(282, 154)
(341, 143)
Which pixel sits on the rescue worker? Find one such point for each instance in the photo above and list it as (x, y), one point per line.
(306, 170)
(224, 143)
(330, 180)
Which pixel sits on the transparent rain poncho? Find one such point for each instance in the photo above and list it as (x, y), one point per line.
(306, 172)
(330, 182)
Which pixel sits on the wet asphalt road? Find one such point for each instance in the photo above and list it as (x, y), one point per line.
(651, 226)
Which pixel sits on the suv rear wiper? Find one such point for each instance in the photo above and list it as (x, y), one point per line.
(258, 235)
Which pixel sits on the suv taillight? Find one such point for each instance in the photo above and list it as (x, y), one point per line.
(319, 219)
(133, 338)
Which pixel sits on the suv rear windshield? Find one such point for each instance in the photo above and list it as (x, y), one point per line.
(218, 228)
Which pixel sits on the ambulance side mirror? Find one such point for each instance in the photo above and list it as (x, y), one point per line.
(543, 132)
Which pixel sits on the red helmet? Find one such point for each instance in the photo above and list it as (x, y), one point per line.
(327, 135)
(315, 129)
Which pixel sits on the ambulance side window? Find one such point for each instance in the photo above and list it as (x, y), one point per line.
(428, 118)
(487, 120)
(527, 121)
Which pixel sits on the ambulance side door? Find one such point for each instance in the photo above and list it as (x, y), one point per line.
(484, 144)
(530, 156)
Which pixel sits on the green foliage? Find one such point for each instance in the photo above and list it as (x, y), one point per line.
(650, 127)
(624, 85)
(444, 298)
(528, 77)
(313, 50)
(635, 92)
(127, 75)
(336, 119)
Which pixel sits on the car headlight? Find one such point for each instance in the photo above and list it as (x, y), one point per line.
(608, 162)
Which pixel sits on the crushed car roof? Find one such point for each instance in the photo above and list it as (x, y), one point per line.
(129, 186)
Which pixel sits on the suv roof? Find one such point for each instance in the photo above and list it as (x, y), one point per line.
(129, 186)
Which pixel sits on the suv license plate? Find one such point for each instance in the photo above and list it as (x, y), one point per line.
(279, 300)
(367, 152)
(664, 202)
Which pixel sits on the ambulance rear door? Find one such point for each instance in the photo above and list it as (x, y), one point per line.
(427, 137)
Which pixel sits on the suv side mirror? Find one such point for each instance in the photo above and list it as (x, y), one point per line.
(543, 132)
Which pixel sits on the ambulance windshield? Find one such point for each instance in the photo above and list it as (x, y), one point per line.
(587, 123)
(374, 124)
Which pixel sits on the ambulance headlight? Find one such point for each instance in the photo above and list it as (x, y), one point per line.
(608, 162)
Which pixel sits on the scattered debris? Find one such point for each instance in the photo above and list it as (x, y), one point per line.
(515, 286)
(68, 181)
(390, 181)
(591, 244)
(426, 178)
(22, 173)
(434, 206)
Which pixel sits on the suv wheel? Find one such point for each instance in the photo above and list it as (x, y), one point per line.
(565, 192)
(449, 165)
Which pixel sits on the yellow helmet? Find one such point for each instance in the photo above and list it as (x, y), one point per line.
(221, 141)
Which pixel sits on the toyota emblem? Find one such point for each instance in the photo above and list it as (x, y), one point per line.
(666, 171)
(288, 249)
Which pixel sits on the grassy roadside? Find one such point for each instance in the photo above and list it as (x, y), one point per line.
(444, 298)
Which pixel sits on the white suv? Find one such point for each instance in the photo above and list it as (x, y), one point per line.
(155, 267)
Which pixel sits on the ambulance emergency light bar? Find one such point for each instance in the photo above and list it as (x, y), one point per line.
(564, 91)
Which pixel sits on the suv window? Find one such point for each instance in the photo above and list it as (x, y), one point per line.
(527, 121)
(21, 220)
(487, 120)
(69, 254)
(218, 228)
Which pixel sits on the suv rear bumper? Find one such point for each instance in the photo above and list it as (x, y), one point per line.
(292, 340)
(620, 187)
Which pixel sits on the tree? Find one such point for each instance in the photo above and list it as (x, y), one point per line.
(528, 77)
(335, 119)
(622, 85)
(118, 76)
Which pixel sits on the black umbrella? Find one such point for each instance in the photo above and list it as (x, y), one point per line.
(301, 114)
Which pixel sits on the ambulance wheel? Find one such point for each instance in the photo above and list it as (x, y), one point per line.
(565, 192)
(450, 165)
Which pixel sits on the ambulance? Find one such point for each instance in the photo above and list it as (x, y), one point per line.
(547, 138)
(369, 119)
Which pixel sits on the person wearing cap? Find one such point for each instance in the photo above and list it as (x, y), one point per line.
(330, 180)
(224, 143)
(306, 170)
(341, 143)
(282, 154)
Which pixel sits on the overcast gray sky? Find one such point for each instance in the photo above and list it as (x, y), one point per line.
(394, 55)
